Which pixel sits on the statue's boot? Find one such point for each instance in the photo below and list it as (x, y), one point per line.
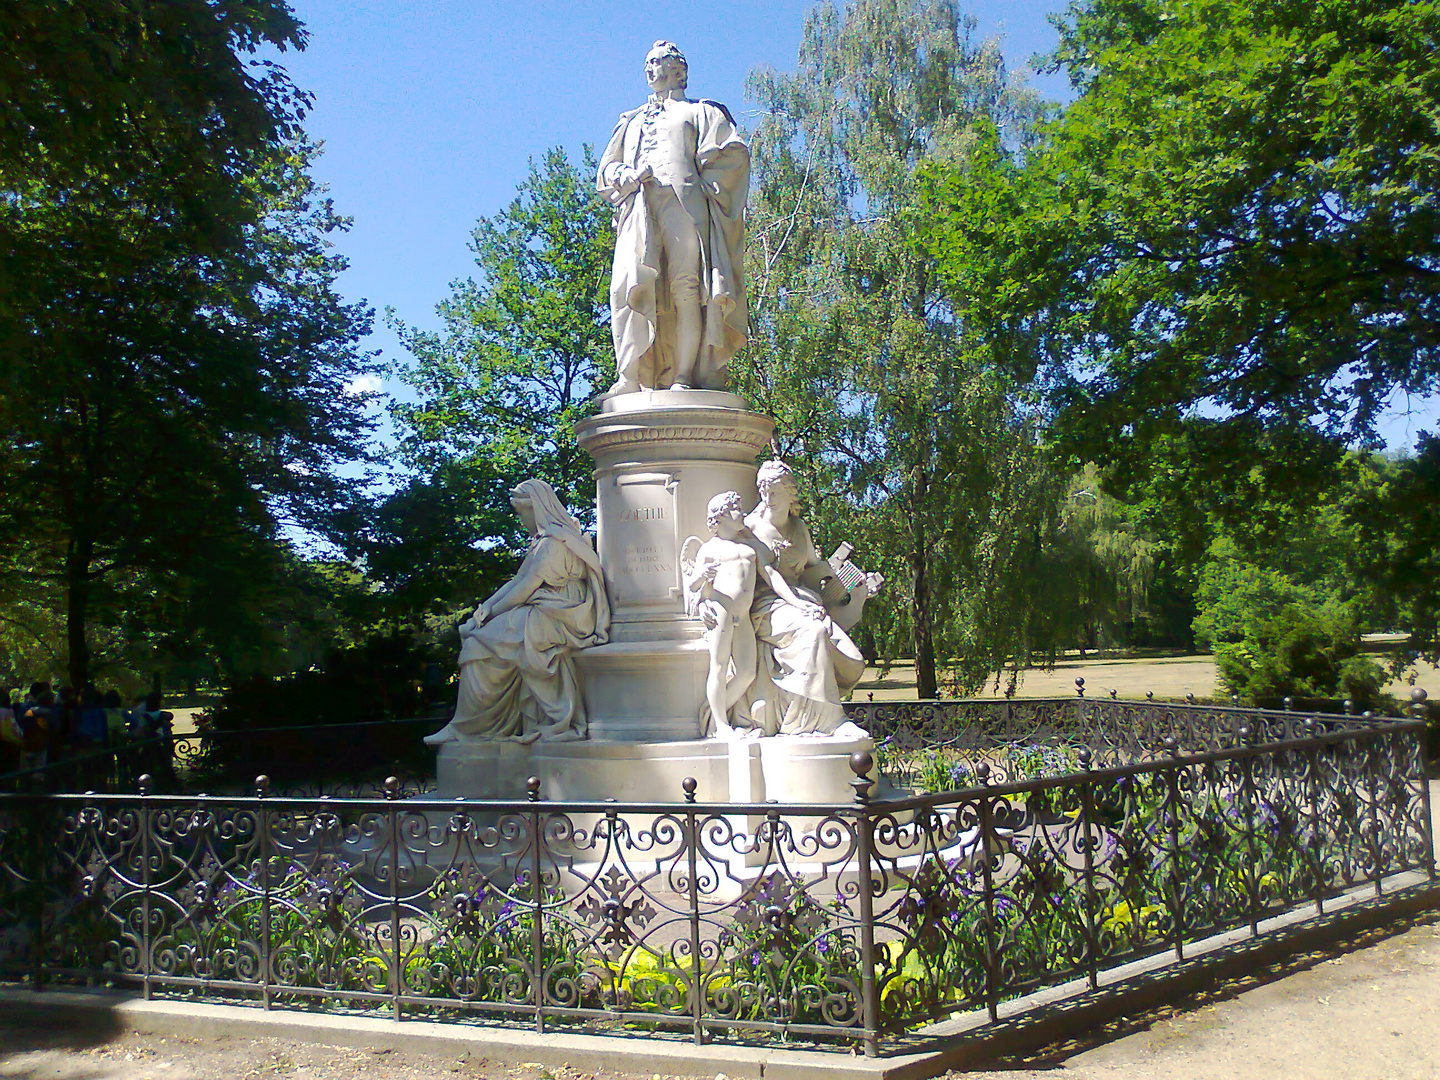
(621, 386)
(444, 735)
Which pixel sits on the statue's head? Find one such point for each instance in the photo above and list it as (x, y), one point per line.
(665, 67)
(775, 475)
(726, 504)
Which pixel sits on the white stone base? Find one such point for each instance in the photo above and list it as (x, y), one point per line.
(786, 770)
(644, 691)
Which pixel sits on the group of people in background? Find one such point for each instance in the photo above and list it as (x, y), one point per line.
(46, 726)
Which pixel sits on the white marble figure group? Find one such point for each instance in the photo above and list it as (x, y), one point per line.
(775, 613)
(780, 659)
(517, 665)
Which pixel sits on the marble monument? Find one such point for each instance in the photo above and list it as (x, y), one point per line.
(615, 671)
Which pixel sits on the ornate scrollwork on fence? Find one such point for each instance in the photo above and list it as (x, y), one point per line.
(836, 925)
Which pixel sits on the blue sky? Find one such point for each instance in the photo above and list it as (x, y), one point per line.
(430, 109)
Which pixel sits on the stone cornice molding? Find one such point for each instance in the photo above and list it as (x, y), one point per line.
(729, 434)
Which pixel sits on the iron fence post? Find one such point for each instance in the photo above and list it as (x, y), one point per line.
(992, 991)
(860, 764)
(1316, 855)
(537, 931)
(397, 973)
(1172, 814)
(1373, 809)
(38, 873)
(697, 975)
(1247, 790)
(1092, 899)
(262, 789)
(145, 785)
(1418, 711)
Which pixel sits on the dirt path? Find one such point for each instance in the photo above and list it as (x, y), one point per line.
(1371, 1012)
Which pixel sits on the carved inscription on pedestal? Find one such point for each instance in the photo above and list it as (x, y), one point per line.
(640, 538)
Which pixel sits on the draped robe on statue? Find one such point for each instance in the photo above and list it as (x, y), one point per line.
(517, 669)
(706, 164)
(806, 665)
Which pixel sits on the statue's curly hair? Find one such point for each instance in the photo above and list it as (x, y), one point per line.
(669, 48)
(772, 472)
(726, 500)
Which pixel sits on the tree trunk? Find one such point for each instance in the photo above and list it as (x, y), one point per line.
(77, 610)
(922, 633)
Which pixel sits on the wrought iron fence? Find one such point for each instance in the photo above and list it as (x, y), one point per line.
(847, 926)
(935, 745)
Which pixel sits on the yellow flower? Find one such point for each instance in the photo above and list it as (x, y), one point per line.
(1123, 916)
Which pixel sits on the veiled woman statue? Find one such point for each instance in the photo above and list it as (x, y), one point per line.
(517, 666)
(807, 662)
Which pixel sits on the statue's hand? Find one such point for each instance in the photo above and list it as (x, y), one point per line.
(482, 614)
(630, 179)
(873, 582)
(707, 575)
(709, 617)
(814, 611)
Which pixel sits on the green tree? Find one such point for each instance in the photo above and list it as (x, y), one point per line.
(1398, 542)
(906, 434)
(1237, 211)
(1113, 563)
(156, 106)
(1273, 636)
(174, 396)
(522, 353)
(424, 553)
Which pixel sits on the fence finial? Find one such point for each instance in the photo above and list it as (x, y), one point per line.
(532, 788)
(1417, 703)
(688, 785)
(860, 764)
(262, 786)
(1080, 685)
(145, 784)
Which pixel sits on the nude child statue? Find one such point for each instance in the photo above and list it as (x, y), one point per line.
(720, 588)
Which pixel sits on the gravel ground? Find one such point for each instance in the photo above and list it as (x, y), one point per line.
(1367, 1008)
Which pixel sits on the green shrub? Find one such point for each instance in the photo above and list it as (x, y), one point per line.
(1272, 637)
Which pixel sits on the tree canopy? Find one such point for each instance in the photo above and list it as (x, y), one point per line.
(523, 350)
(1236, 215)
(177, 359)
(912, 441)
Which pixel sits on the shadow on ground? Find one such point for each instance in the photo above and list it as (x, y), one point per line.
(65, 1033)
(1056, 1055)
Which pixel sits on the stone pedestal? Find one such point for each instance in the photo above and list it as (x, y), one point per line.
(800, 769)
(660, 456)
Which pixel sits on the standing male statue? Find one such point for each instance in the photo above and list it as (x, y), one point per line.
(677, 173)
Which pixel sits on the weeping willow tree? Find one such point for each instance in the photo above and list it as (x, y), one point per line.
(1114, 562)
(910, 439)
